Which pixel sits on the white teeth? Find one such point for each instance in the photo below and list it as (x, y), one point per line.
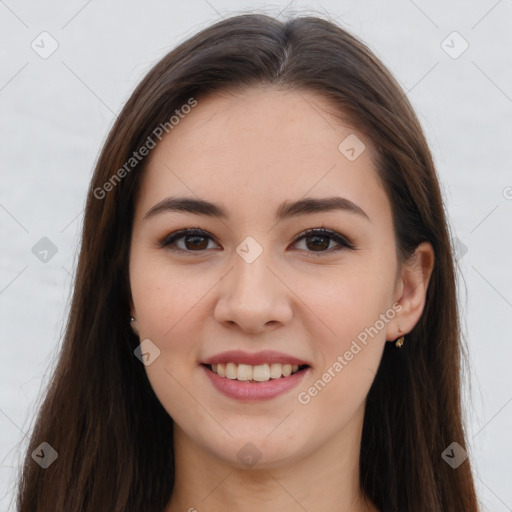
(276, 370)
(261, 373)
(231, 370)
(244, 372)
(258, 373)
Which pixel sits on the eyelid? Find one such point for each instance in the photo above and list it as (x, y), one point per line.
(341, 240)
(182, 233)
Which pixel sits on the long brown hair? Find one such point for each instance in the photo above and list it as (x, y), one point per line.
(112, 435)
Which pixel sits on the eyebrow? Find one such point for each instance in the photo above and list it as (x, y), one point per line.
(287, 209)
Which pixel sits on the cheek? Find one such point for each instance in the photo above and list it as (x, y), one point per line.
(166, 302)
(164, 295)
(349, 358)
(354, 309)
(170, 302)
(347, 300)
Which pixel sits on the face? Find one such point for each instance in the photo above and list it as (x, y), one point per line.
(261, 288)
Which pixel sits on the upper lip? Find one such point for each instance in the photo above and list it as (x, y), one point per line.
(253, 359)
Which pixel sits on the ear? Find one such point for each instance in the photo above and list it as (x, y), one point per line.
(411, 290)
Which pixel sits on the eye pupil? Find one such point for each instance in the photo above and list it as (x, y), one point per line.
(195, 239)
(317, 238)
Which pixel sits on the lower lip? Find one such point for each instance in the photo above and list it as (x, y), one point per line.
(254, 391)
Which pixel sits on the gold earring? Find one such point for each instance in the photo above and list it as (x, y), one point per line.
(399, 342)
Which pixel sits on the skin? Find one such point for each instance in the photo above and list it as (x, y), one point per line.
(249, 152)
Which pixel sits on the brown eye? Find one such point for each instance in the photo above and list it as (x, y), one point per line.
(187, 241)
(195, 242)
(319, 241)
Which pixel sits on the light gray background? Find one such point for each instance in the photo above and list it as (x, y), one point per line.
(56, 113)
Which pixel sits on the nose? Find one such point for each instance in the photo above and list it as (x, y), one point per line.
(253, 297)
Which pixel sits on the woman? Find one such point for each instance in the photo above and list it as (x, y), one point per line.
(264, 312)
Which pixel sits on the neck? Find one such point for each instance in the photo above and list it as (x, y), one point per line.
(325, 480)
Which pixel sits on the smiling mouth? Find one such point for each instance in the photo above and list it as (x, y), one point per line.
(257, 373)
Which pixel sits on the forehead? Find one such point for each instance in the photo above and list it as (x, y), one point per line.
(255, 148)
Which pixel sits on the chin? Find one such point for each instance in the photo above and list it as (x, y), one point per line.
(248, 451)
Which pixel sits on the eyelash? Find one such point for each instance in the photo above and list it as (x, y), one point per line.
(344, 243)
